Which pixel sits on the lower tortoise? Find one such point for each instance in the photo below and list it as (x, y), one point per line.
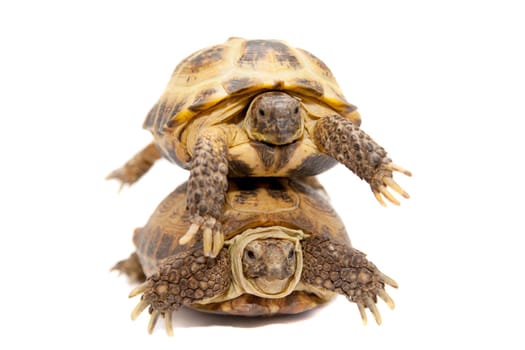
(286, 251)
(255, 108)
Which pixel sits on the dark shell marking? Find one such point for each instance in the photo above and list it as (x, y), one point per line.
(327, 73)
(202, 99)
(202, 60)
(311, 86)
(265, 152)
(285, 153)
(238, 85)
(313, 165)
(162, 115)
(275, 157)
(239, 168)
(150, 118)
(257, 51)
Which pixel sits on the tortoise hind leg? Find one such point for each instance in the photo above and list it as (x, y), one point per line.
(137, 166)
(342, 269)
(132, 268)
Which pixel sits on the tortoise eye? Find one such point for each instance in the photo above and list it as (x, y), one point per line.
(291, 254)
(261, 112)
(296, 110)
(250, 255)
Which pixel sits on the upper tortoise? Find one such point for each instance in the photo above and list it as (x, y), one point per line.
(255, 108)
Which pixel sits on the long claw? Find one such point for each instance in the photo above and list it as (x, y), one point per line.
(363, 313)
(218, 241)
(386, 298)
(379, 198)
(373, 308)
(188, 236)
(384, 278)
(138, 309)
(141, 288)
(393, 185)
(388, 195)
(169, 325)
(152, 321)
(207, 241)
(395, 167)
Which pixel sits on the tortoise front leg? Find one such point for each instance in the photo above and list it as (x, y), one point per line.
(345, 270)
(351, 146)
(183, 279)
(137, 166)
(206, 190)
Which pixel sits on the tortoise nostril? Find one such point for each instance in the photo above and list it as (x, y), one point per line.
(282, 123)
(277, 272)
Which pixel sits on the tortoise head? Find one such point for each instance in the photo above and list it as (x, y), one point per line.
(269, 264)
(274, 117)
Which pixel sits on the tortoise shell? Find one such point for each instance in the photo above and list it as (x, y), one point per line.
(251, 203)
(226, 76)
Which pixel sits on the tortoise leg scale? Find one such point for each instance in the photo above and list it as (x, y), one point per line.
(344, 270)
(206, 190)
(137, 166)
(182, 279)
(349, 145)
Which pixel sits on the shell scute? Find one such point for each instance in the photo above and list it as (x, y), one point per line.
(321, 66)
(238, 85)
(201, 60)
(262, 54)
(311, 87)
(203, 99)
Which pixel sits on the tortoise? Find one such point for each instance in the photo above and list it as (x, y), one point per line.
(286, 251)
(255, 108)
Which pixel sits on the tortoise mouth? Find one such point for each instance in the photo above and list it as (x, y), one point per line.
(276, 137)
(271, 286)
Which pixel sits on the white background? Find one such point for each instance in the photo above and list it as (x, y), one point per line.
(440, 84)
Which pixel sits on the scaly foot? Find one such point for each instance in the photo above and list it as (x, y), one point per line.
(345, 270)
(351, 146)
(182, 279)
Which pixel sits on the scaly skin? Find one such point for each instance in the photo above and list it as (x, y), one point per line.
(351, 146)
(182, 279)
(206, 190)
(344, 270)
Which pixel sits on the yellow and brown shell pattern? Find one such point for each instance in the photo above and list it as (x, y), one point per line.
(240, 68)
(251, 203)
